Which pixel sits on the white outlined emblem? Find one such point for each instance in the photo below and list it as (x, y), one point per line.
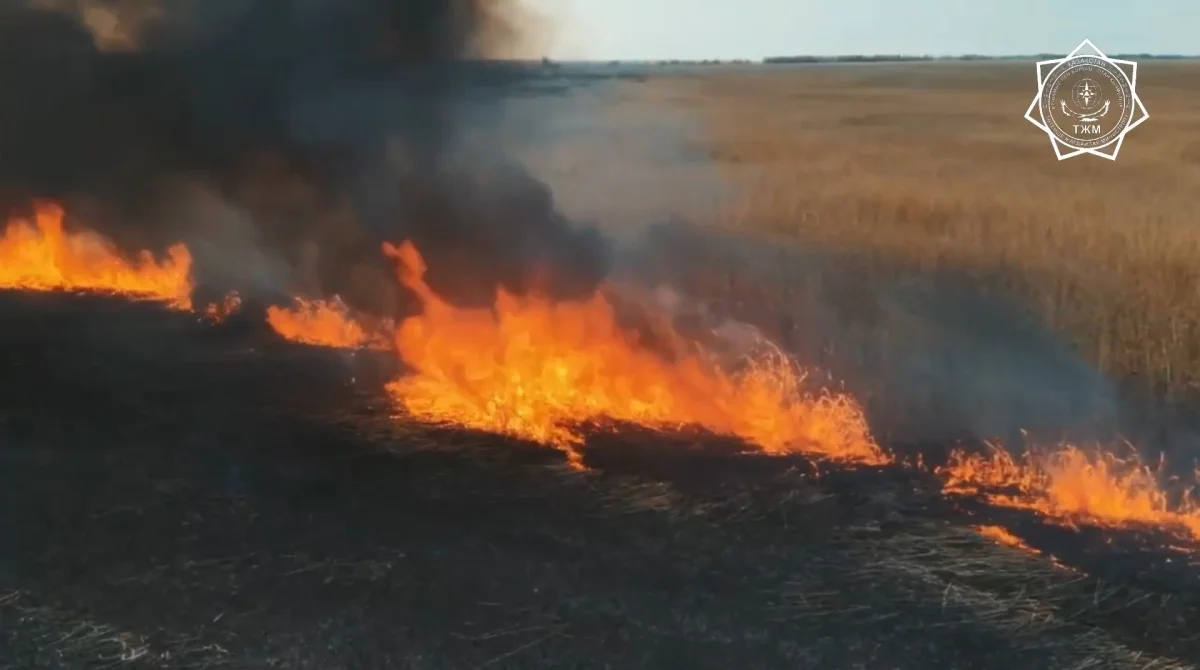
(1087, 102)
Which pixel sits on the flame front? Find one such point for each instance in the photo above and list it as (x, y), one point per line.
(1002, 535)
(1070, 486)
(537, 369)
(323, 323)
(42, 256)
(219, 312)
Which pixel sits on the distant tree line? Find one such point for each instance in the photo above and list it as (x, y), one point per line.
(896, 58)
(546, 63)
(706, 61)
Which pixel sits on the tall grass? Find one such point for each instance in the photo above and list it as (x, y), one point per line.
(931, 168)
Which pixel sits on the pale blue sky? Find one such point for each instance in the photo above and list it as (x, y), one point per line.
(695, 29)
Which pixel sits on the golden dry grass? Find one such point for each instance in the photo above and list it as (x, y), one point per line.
(928, 168)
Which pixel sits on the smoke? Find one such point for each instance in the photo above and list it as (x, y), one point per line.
(304, 131)
(933, 359)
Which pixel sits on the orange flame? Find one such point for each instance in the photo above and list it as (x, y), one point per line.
(323, 323)
(1071, 485)
(1002, 535)
(42, 256)
(536, 369)
(218, 312)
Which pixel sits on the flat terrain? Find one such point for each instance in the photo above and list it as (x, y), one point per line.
(928, 170)
(905, 228)
(178, 495)
(175, 494)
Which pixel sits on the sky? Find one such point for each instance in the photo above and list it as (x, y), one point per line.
(728, 29)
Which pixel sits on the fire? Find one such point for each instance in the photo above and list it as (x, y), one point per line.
(537, 369)
(1070, 485)
(1002, 535)
(42, 256)
(218, 312)
(324, 323)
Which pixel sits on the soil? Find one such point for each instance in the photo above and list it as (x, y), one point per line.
(178, 494)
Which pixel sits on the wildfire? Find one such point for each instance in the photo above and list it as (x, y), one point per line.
(540, 370)
(1070, 485)
(323, 323)
(218, 312)
(537, 369)
(42, 256)
(1002, 535)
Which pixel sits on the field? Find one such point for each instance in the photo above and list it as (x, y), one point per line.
(179, 493)
(151, 459)
(928, 173)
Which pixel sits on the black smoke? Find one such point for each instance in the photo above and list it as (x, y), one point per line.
(328, 125)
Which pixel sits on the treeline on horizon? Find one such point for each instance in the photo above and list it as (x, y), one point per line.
(879, 58)
(889, 58)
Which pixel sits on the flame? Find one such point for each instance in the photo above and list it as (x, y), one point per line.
(1002, 535)
(218, 312)
(324, 323)
(1069, 486)
(537, 369)
(42, 256)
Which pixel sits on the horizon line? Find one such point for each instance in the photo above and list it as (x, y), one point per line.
(879, 57)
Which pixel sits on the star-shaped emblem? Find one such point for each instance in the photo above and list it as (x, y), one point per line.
(1100, 80)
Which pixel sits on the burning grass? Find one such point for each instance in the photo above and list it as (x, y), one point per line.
(778, 567)
(322, 323)
(1003, 536)
(532, 368)
(762, 568)
(538, 369)
(41, 255)
(219, 312)
(541, 370)
(1072, 486)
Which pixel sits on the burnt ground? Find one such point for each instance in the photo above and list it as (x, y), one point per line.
(175, 494)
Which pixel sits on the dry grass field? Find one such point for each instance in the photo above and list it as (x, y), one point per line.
(182, 492)
(929, 170)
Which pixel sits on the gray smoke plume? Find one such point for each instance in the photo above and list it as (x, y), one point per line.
(322, 127)
(933, 359)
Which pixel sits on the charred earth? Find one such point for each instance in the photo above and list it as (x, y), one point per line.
(178, 494)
